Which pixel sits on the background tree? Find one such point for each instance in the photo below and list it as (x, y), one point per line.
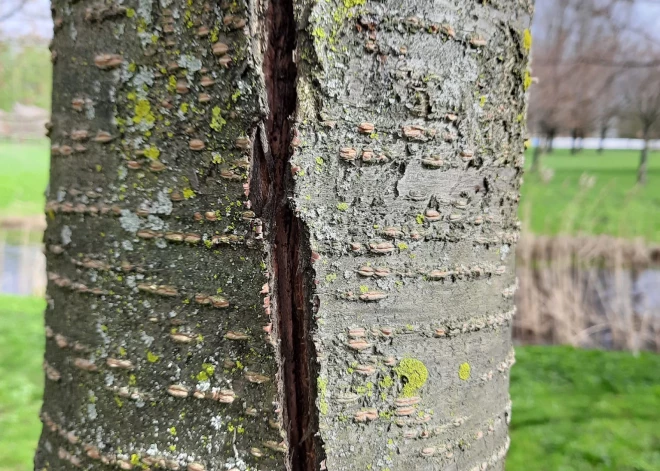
(643, 104)
(283, 234)
(580, 50)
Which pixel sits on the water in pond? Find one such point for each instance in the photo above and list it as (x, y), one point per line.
(22, 270)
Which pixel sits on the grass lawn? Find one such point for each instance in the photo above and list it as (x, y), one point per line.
(583, 410)
(23, 177)
(574, 410)
(21, 354)
(614, 205)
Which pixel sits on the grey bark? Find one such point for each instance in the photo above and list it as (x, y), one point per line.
(410, 159)
(207, 310)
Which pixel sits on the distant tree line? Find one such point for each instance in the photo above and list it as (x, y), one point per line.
(25, 73)
(596, 69)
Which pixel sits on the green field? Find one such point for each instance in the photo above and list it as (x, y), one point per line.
(21, 351)
(23, 177)
(615, 205)
(574, 410)
(583, 410)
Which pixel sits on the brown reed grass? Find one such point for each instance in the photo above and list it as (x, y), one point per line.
(584, 291)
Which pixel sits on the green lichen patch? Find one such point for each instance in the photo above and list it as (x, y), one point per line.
(527, 80)
(322, 389)
(217, 121)
(464, 371)
(527, 39)
(413, 373)
(143, 113)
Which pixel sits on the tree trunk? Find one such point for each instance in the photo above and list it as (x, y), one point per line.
(536, 159)
(280, 235)
(601, 142)
(550, 142)
(574, 138)
(643, 161)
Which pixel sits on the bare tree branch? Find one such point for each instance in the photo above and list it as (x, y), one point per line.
(13, 11)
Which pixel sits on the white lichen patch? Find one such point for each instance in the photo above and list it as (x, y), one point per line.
(190, 63)
(65, 235)
(146, 339)
(504, 251)
(91, 411)
(129, 221)
(155, 223)
(143, 80)
(144, 10)
(162, 205)
(216, 422)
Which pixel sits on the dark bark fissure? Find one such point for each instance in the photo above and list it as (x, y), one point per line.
(290, 247)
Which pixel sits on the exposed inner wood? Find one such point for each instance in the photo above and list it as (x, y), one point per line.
(290, 245)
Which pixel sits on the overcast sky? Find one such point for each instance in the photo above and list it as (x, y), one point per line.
(34, 17)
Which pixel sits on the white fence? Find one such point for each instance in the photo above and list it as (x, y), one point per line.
(23, 122)
(594, 143)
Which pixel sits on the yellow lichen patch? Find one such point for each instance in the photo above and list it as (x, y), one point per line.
(414, 375)
(188, 193)
(527, 39)
(217, 121)
(464, 371)
(322, 389)
(171, 84)
(386, 382)
(152, 152)
(527, 81)
(207, 371)
(143, 112)
(152, 357)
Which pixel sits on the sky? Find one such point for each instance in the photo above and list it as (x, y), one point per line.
(35, 18)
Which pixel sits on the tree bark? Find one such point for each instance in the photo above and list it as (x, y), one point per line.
(281, 234)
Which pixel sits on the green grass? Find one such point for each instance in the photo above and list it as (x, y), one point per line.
(23, 177)
(583, 410)
(614, 205)
(21, 379)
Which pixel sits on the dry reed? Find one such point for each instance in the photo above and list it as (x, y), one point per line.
(585, 291)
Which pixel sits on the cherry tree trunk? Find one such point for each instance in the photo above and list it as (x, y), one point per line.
(281, 234)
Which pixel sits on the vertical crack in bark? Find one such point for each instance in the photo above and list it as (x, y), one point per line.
(290, 251)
